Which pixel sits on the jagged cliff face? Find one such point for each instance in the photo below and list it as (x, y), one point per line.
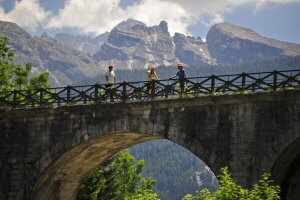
(132, 44)
(138, 46)
(135, 45)
(64, 63)
(190, 50)
(83, 43)
(231, 44)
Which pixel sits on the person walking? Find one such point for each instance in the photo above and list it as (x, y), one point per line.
(181, 78)
(110, 81)
(151, 77)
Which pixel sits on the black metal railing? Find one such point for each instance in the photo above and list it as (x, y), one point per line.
(153, 90)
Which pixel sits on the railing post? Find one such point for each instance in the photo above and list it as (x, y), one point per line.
(224, 88)
(275, 80)
(152, 89)
(58, 102)
(196, 91)
(253, 87)
(243, 81)
(96, 92)
(167, 91)
(140, 94)
(124, 92)
(84, 98)
(29, 98)
(57, 98)
(212, 84)
(41, 101)
(15, 99)
(68, 94)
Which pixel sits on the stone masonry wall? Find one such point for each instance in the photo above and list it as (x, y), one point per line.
(46, 152)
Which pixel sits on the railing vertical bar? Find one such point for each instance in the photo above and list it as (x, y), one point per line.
(213, 80)
(29, 98)
(243, 81)
(58, 101)
(68, 94)
(124, 98)
(275, 80)
(152, 89)
(96, 93)
(41, 101)
(15, 99)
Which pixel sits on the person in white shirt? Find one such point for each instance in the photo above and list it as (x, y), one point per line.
(111, 80)
(110, 75)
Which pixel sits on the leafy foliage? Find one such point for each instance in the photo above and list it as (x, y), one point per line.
(15, 76)
(121, 179)
(230, 190)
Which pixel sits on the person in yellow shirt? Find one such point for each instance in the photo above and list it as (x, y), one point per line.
(151, 77)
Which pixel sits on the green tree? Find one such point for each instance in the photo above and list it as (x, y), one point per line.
(121, 179)
(264, 190)
(230, 190)
(15, 76)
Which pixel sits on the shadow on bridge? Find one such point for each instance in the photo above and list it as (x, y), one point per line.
(61, 180)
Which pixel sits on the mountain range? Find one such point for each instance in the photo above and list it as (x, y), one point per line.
(65, 63)
(133, 45)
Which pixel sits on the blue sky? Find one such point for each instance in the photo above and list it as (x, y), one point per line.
(277, 19)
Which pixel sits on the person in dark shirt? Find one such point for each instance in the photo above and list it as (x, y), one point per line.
(181, 78)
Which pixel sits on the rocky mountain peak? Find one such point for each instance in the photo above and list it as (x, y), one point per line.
(191, 50)
(164, 26)
(183, 38)
(46, 37)
(12, 30)
(235, 31)
(232, 44)
(65, 64)
(125, 25)
(138, 46)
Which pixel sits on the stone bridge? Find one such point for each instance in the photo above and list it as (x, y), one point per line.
(46, 152)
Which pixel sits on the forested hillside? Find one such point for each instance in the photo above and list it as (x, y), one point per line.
(176, 170)
(163, 72)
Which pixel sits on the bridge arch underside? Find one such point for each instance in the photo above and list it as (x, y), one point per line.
(62, 178)
(286, 171)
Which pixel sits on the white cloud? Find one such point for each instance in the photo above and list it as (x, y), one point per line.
(151, 12)
(26, 13)
(89, 16)
(94, 16)
(260, 4)
(98, 16)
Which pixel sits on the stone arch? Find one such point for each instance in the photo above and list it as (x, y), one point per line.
(194, 128)
(286, 171)
(62, 178)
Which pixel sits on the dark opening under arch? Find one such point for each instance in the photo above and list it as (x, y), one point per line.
(286, 171)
